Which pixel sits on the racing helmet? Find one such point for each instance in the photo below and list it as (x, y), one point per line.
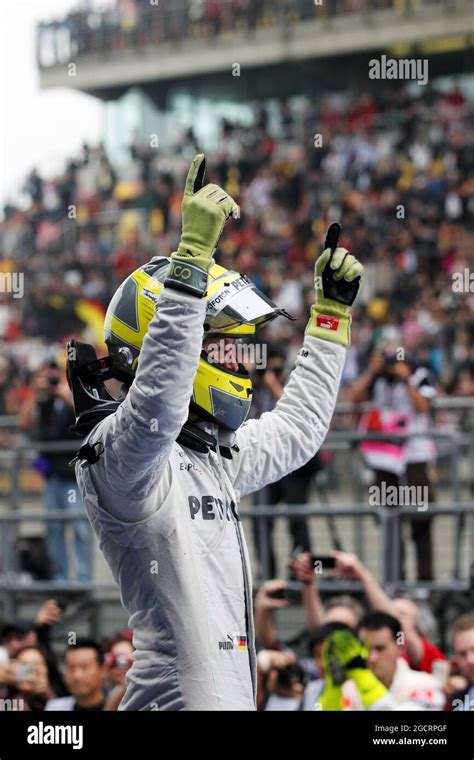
(235, 308)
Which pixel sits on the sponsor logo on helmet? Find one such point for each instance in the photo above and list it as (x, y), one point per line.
(228, 291)
(218, 299)
(148, 294)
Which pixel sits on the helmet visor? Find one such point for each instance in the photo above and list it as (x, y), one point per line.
(239, 302)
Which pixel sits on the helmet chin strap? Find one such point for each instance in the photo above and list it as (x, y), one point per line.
(226, 438)
(93, 403)
(204, 435)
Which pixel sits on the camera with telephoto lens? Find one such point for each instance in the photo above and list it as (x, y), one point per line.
(389, 360)
(291, 675)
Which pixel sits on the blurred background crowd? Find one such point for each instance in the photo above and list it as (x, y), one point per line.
(397, 170)
(394, 163)
(401, 640)
(136, 23)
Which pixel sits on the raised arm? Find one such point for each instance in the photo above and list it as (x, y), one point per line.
(303, 569)
(284, 439)
(138, 438)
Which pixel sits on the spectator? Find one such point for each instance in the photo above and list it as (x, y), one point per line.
(32, 676)
(118, 660)
(85, 674)
(50, 413)
(419, 651)
(411, 690)
(343, 609)
(17, 635)
(269, 597)
(285, 681)
(20, 634)
(462, 643)
(401, 398)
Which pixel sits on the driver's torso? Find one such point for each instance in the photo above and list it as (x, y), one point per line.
(186, 584)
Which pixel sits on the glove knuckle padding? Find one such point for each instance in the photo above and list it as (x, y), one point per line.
(348, 261)
(209, 190)
(338, 258)
(354, 271)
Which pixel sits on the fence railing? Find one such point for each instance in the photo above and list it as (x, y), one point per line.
(15, 589)
(448, 403)
(388, 521)
(456, 447)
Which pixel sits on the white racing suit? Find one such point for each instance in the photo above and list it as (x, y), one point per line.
(156, 508)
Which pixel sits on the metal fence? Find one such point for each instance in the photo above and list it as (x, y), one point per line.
(456, 453)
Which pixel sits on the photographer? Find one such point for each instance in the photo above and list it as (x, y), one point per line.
(49, 413)
(281, 681)
(401, 397)
(118, 660)
(419, 651)
(462, 645)
(32, 677)
(18, 635)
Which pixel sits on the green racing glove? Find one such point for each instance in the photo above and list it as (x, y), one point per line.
(345, 657)
(337, 279)
(331, 697)
(205, 210)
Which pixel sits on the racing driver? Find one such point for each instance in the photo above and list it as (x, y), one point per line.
(162, 468)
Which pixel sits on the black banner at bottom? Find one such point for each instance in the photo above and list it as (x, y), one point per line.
(373, 734)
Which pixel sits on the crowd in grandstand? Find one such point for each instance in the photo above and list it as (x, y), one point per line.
(134, 23)
(397, 170)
